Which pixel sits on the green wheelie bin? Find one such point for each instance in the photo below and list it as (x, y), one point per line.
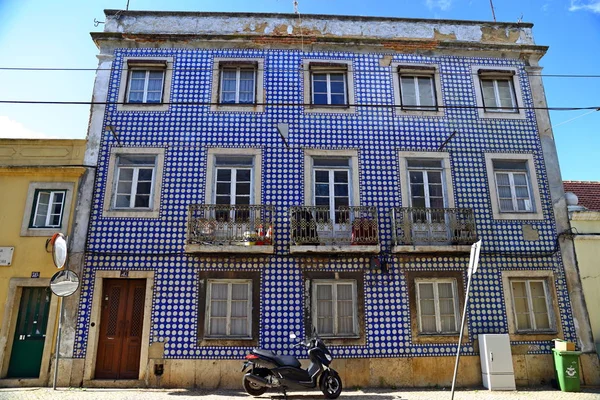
(566, 366)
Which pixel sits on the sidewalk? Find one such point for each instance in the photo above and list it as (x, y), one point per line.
(366, 394)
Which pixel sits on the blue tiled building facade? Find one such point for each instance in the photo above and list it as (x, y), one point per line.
(439, 149)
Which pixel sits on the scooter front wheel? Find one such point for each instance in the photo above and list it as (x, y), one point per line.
(331, 385)
(252, 388)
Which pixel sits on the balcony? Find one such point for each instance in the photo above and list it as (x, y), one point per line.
(426, 230)
(230, 229)
(319, 229)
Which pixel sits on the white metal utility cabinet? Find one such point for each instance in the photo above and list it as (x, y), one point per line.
(496, 362)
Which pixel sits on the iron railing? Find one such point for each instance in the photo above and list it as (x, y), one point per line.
(216, 224)
(320, 225)
(433, 226)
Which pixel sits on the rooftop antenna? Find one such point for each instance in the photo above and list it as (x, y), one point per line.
(297, 12)
(127, 6)
(493, 12)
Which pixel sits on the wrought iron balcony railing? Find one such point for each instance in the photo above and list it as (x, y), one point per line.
(216, 224)
(321, 225)
(433, 226)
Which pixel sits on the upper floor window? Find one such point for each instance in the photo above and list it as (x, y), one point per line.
(498, 92)
(332, 187)
(49, 207)
(134, 182)
(145, 84)
(426, 183)
(328, 86)
(437, 305)
(146, 81)
(238, 84)
(335, 308)
(513, 186)
(417, 88)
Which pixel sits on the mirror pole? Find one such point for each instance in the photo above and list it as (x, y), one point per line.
(57, 346)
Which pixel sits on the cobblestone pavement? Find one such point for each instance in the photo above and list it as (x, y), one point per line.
(367, 394)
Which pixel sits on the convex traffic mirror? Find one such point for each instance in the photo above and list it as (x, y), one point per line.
(64, 283)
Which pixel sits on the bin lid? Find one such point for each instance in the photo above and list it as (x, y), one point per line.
(567, 353)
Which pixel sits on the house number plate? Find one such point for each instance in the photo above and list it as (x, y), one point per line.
(6, 254)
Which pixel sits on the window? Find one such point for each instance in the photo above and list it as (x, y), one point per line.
(334, 308)
(229, 308)
(134, 182)
(49, 207)
(426, 183)
(332, 190)
(513, 186)
(437, 305)
(238, 84)
(145, 84)
(328, 86)
(233, 176)
(417, 89)
(531, 305)
(498, 92)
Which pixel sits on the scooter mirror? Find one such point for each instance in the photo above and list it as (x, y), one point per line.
(293, 336)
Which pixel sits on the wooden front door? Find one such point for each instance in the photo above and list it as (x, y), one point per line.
(121, 322)
(30, 333)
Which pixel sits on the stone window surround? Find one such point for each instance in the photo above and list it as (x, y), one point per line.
(213, 152)
(259, 63)
(123, 85)
(554, 314)
(309, 275)
(309, 154)
(331, 109)
(427, 70)
(404, 156)
(203, 278)
(537, 214)
(7, 332)
(434, 338)
(511, 72)
(109, 192)
(26, 230)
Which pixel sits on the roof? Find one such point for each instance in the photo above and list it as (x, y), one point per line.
(587, 192)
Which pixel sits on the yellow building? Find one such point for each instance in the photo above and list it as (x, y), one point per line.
(39, 180)
(584, 213)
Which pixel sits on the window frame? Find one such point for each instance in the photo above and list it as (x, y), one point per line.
(551, 303)
(211, 172)
(536, 212)
(328, 66)
(109, 209)
(35, 207)
(134, 181)
(129, 64)
(489, 72)
(329, 92)
(513, 191)
(309, 177)
(27, 228)
(220, 63)
(238, 69)
(314, 311)
(446, 172)
(145, 90)
(431, 70)
(436, 282)
(527, 282)
(207, 319)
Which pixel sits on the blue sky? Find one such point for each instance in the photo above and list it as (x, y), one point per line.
(42, 33)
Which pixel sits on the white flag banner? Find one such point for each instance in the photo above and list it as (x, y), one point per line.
(474, 260)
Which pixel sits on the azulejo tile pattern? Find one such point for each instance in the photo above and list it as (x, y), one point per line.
(186, 131)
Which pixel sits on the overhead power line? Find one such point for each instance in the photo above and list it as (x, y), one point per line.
(51, 69)
(333, 108)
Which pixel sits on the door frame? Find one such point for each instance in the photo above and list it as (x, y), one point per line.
(9, 324)
(93, 331)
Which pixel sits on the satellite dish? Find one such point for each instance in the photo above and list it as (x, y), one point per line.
(64, 283)
(59, 250)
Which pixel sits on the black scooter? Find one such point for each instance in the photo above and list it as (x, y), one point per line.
(269, 370)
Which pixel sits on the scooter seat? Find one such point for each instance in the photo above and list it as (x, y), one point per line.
(289, 361)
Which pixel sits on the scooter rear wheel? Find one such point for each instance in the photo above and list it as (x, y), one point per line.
(331, 385)
(252, 388)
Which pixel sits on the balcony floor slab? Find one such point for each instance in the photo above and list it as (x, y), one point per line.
(444, 248)
(229, 248)
(335, 249)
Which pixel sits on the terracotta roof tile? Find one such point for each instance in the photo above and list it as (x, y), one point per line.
(587, 192)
